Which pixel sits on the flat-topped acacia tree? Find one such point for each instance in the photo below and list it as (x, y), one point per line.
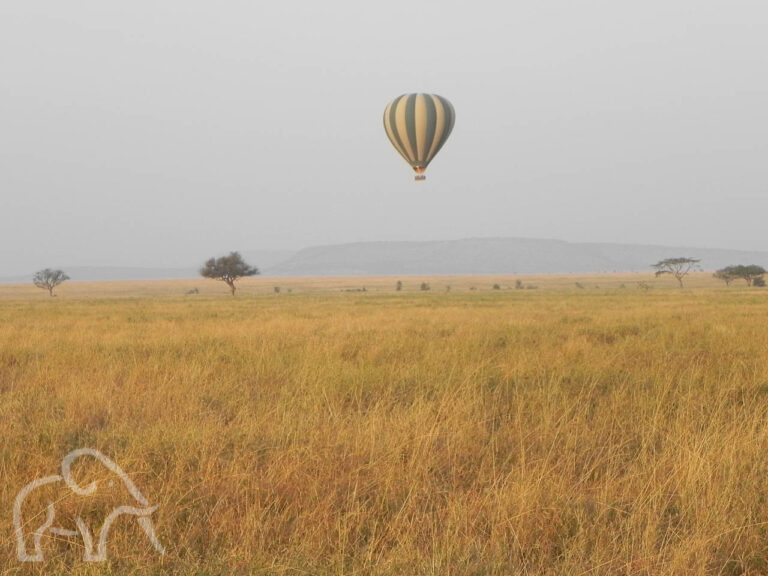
(750, 274)
(725, 274)
(228, 269)
(677, 267)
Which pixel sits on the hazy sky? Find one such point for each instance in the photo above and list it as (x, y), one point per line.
(164, 132)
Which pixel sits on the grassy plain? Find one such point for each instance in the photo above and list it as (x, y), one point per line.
(561, 430)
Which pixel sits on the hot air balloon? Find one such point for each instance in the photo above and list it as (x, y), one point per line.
(418, 125)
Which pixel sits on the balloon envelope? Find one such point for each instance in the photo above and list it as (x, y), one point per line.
(418, 126)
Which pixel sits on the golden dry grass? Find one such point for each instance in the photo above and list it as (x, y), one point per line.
(550, 431)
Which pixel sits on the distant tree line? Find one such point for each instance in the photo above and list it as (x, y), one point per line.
(230, 268)
(679, 268)
(751, 274)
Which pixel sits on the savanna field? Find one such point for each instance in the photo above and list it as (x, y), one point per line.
(601, 429)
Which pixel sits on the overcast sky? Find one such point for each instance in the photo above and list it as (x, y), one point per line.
(159, 133)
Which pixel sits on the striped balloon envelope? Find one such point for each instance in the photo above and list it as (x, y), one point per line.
(418, 125)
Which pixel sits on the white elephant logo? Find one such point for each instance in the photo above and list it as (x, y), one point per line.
(95, 551)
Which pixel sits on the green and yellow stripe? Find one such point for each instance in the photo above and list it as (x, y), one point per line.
(418, 126)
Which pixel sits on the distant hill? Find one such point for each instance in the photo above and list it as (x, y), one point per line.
(113, 273)
(264, 259)
(469, 256)
(259, 258)
(495, 256)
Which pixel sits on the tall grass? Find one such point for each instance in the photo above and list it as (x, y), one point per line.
(489, 433)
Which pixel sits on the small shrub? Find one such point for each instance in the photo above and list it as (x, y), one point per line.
(519, 285)
(496, 287)
(276, 289)
(579, 285)
(399, 286)
(424, 287)
(193, 291)
(472, 288)
(759, 282)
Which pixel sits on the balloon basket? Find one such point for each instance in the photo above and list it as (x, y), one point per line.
(419, 177)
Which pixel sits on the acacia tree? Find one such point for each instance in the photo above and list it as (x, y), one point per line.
(48, 279)
(677, 267)
(725, 275)
(228, 269)
(751, 274)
